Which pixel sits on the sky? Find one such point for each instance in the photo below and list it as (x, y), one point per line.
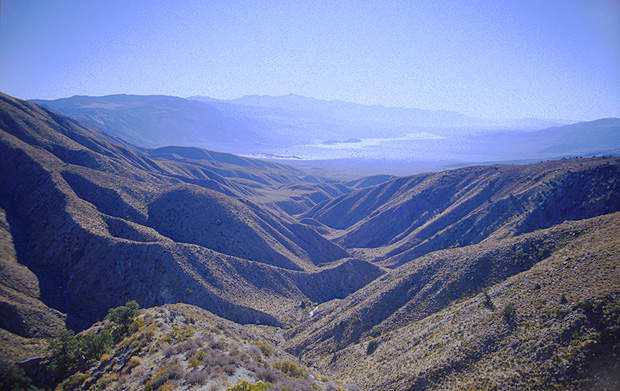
(556, 59)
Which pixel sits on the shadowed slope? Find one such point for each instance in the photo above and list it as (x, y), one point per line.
(103, 223)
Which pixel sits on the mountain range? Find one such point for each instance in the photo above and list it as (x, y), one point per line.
(497, 276)
(317, 135)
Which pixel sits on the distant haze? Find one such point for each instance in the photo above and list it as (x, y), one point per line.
(555, 59)
(300, 130)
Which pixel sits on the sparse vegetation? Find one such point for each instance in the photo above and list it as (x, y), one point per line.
(408, 272)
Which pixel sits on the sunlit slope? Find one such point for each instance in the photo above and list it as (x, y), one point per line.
(405, 218)
(539, 310)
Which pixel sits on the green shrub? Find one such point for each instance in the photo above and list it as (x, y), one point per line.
(289, 368)
(586, 305)
(244, 385)
(73, 382)
(62, 352)
(264, 347)
(520, 258)
(487, 302)
(15, 379)
(124, 315)
(94, 345)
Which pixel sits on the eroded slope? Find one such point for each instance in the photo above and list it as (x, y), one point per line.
(536, 311)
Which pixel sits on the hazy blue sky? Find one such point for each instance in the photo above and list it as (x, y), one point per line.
(488, 58)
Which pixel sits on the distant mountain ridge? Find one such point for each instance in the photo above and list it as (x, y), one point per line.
(352, 111)
(153, 120)
(308, 128)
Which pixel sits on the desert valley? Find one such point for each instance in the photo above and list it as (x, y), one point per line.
(136, 254)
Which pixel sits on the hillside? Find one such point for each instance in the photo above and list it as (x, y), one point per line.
(405, 218)
(183, 347)
(538, 311)
(483, 277)
(82, 208)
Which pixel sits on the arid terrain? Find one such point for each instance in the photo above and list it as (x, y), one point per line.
(253, 274)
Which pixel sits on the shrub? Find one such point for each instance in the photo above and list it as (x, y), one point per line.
(62, 352)
(509, 312)
(587, 305)
(229, 369)
(331, 386)
(244, 385)
(487, 302)
(520, 258)
(124, 315)
(219, 345)
(73, 382)
(289, 368)
(133, 362)
(197, 377)
(372, 346)
(15, 379)
(94, 345)
(264, 348)
(194, 363)
(253, 350)
(162, 376)
(268, 374)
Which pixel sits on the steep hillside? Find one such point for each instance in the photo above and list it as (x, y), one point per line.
(405, 218)
(536, 311)
(176, 346)
(100, 223)
(26, 321)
